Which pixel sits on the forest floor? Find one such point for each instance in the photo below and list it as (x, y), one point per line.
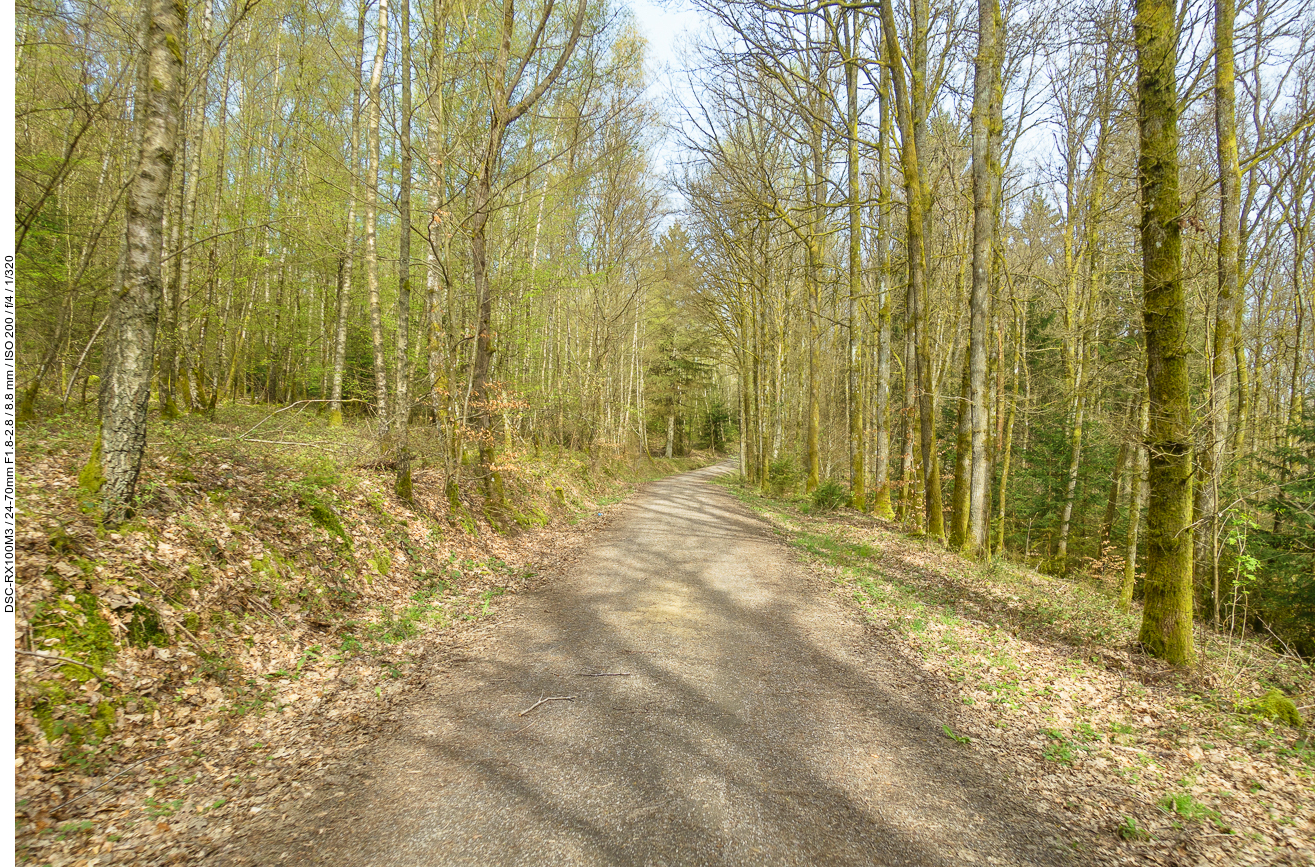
(1143, 763)
(267, 691)
(264, 610)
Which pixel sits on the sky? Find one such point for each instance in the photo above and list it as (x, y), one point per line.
(667, 25)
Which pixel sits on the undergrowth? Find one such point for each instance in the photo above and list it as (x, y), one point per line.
(1051, 664)
(261, 537)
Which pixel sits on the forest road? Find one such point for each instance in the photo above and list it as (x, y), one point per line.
(726, 709)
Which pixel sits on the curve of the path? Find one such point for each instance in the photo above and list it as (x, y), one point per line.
(727, 711)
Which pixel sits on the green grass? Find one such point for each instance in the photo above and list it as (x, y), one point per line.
(439, 603)
(1187, 808)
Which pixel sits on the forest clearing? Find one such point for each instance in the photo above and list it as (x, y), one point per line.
(343, 326)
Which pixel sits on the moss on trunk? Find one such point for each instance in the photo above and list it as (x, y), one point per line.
(1166, 630)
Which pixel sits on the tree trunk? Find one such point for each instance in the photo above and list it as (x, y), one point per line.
(349, 239)
(1116, 485)
(176, 351)
(1008, 448)
(501, 115)
(963, 461)
(484, 348)
(813, 278)
(908, 435)
(402, 413)
(166, 348)
(915, 196)
(1166, 630)
(126, 390)
(988, 133)
(1071, 476)
(371, 216)
(1227, 302)
(856, 313)
(1136, 502)
(438, 291)
(881, 506)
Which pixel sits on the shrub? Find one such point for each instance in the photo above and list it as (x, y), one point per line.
(782, 476)
(829, 496)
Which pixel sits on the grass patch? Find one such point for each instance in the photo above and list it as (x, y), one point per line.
(1188, 809)
(439, 601)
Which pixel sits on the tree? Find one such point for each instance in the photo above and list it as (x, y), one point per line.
(349, 241)
(402, 412)
(915, 199)
(1226, 296)
(125, 394)
(375, 109)
(988, 131)
(1166, 630)
(881, 505)
(506, 79)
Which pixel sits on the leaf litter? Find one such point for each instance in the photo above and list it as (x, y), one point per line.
(1161, 766)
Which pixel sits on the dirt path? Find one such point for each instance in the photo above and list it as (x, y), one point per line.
(750, 719)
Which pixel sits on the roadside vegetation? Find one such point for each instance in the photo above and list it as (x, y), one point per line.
(264, 606)
(1210, 764)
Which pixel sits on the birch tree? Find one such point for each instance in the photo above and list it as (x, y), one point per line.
(116, 459)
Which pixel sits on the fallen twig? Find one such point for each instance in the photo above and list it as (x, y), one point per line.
(603, 674)
(300, 403)
(54, 657)
(107, 782)
(546, 700)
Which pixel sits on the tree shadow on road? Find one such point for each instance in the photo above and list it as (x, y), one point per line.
(744, 719)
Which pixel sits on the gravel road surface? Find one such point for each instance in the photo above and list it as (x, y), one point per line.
(725, 709)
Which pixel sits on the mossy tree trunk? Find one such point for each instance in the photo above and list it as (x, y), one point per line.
(881, 505)
(915, 196)
(1166, 630)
